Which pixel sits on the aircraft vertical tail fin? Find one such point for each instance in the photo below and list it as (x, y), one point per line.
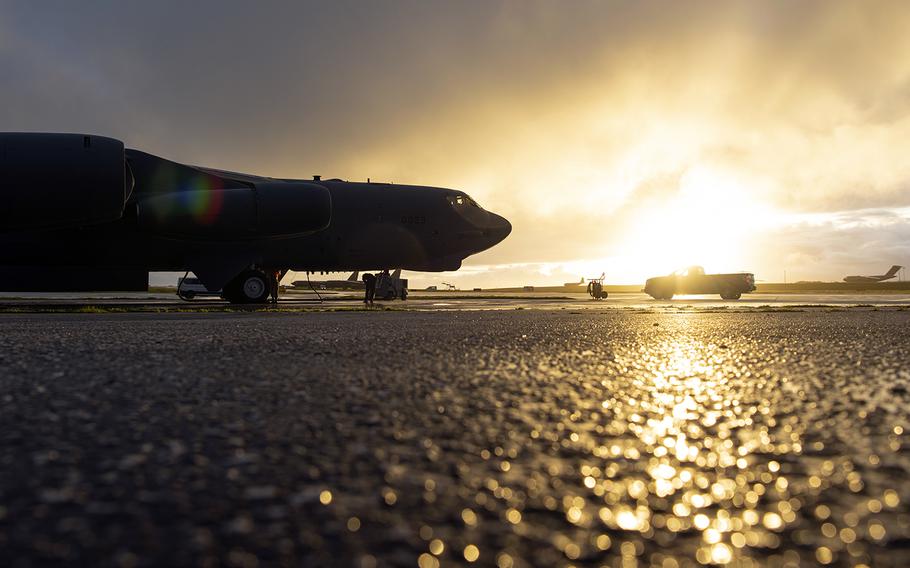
(892, 271)
(354, 276)
(397, 274)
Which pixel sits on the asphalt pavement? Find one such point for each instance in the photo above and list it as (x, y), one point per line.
(547, 437)
(443, 300)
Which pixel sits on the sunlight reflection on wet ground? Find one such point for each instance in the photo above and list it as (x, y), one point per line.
(506, 439)
(688, 446)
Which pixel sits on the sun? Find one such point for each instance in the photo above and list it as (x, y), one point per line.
(712, 220)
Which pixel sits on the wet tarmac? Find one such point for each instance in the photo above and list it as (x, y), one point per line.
(544, 437)
(440, 301)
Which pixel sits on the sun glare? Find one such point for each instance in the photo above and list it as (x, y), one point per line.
(711, 221)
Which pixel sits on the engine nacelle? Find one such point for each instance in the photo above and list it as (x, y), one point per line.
(50, 181)
(268, 209)
(290, 208)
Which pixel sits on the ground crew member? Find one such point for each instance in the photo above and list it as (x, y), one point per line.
(274, 278)
(369, 288)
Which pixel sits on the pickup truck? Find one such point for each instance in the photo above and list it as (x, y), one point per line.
(693, 280)
(190, 287)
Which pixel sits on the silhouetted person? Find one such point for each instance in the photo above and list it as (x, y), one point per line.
(274, 277)
(369, 288)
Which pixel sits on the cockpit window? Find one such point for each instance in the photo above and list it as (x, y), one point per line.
(461, 201)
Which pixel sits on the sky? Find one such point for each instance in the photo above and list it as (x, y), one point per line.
(630, 138)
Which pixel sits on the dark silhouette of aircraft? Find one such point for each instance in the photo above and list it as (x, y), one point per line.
(82, 209)
(892, 272)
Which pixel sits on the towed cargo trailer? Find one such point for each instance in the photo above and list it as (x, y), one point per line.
(189, 287)
(693, 280)
(596, 287)
(391, 286)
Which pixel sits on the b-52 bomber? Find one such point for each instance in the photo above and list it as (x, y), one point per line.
(76, 205)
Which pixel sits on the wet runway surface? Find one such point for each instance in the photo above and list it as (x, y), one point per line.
(505, 438)
(439, 301)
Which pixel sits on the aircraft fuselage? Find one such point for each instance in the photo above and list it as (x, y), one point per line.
(218, 224)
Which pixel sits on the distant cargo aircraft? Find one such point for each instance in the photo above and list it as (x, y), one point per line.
(352, 282)
(892, 272)
(86, 210)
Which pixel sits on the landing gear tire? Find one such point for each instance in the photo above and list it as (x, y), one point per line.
(404, 295)
(251, 287)
(731, 295)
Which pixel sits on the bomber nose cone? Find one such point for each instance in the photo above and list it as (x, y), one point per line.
(499, 227)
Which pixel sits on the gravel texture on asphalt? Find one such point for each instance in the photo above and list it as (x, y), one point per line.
(507, 438)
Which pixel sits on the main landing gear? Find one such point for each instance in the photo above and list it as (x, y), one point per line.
(250, 287)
